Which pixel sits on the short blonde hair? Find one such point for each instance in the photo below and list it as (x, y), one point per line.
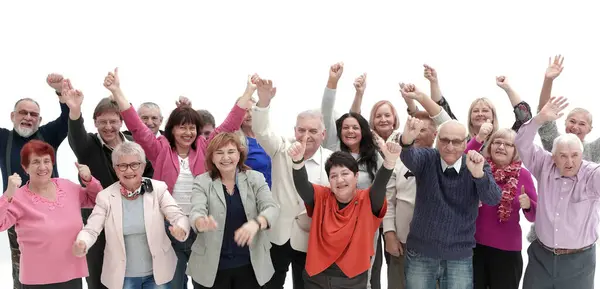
(507, 134)
(489, 104)
(580, 110)
(379, 104)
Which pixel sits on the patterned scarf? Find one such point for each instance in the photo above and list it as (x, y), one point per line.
(507, 179)
(130, 195)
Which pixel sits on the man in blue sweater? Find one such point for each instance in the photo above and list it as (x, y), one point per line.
(26, 120)
(450, 185)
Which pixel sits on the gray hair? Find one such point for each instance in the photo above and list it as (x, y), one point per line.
(567, 139)
(452, 121)
(151, 105)
(312, 113)
(26, 99)
(583, 111)
(128, 149)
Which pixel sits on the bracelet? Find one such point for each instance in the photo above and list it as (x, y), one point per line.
(405, 145)
(298, 161)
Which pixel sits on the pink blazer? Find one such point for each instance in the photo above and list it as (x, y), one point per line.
(164, 159)
(108, 215)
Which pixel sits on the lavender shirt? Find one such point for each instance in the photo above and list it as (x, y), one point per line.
(568, 207)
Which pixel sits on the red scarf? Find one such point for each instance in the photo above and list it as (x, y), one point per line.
(507, 179)
(130, 195)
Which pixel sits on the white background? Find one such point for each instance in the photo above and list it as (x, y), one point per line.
(205, 50)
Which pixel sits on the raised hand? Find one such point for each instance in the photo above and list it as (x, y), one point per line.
(502, 82)
(79, 248)
(391, 151)
(412, 128)
(244, 235)
(71, 97)
(204, 224)
(14, 182)
(360, 84)
(265, 90)
(336, 71)
(485, 130)
(183, 101)
(112, 82)
(554, 67)
(429, 73)
(475, 163)
(410, 91)
(55, 81)
(552, 110)
(84, 172)
(178, 233)
(524, 200)
(296, 151)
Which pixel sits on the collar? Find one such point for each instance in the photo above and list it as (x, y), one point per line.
(123, 138)
(317, 156)
(456, 165)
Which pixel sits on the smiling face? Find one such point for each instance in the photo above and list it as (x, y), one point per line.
(451, 141)
(578, 123)
(480, 112)
(313, 127)
(351, 134)
(184, 134)
(129, 169)
(502, 151)
(383, 120)
(39, 168)
(108, 125)
(26, 118)
(226, 158)
(343, 183)
(151, 117)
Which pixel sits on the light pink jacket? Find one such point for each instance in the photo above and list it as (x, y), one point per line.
(164, 159)
(108, 215)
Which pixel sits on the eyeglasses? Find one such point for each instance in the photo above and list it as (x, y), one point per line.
(31, 113)
(133, 166)
(107, 122)
(455, 142)
(506, 144)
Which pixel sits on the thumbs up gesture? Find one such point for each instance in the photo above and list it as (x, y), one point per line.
(296, 151)
(524, 200)
(84, 172)
(112, 82)
(485, 130)
(79, 248)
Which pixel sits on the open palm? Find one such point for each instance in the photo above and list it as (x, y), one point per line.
(553, 109)
(554, 67)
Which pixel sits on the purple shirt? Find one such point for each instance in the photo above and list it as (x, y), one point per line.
(568, 207)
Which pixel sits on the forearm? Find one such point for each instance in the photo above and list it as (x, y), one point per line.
(545, 93)
(430, 106)
(378, 190)
(303, 186)
(436, 91)
(358, 98)
(121, 100)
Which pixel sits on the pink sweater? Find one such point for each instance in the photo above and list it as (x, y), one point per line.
(164, 159)
(47, 230)
(507, 235)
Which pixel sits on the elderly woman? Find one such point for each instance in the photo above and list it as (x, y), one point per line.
(179, 155)
(497, 260)
(46, 214)
(132, 211)
(232, 207)
(344, 218)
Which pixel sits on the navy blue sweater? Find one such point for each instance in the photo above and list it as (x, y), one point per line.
(53, 133)
(443, 224)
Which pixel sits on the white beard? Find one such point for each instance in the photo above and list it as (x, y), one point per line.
(25, 132)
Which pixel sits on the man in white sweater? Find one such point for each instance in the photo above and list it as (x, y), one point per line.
(289, 234)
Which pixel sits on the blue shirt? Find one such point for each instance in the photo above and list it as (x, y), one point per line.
(232, 255)
(258, 159)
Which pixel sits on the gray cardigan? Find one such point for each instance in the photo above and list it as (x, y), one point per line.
(208, 199)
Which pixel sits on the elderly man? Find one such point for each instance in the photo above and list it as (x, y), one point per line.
(450, 185)
(564, 255)
(26, 121)
(289, 235)
(151, 116)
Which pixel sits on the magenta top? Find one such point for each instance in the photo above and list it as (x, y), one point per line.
(505, 235)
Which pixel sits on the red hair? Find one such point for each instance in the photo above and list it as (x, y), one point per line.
(37, 147)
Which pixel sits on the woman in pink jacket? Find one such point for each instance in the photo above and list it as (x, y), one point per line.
(46, 213)
(179, 155)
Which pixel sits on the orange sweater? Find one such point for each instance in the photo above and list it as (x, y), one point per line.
(345, 236)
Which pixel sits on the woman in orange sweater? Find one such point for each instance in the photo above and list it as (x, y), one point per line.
(344, 219)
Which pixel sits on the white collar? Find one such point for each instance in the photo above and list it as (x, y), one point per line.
(317, 157)
(123, 138)
(457, 164)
